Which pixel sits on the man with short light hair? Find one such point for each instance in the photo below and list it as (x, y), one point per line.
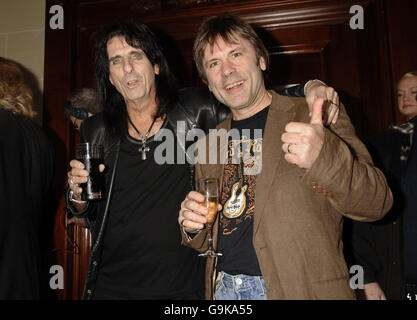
(279, 231)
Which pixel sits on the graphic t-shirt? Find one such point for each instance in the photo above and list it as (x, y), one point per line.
(238, 196)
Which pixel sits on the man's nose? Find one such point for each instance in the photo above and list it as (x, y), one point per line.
(228, 68)
(127, 66)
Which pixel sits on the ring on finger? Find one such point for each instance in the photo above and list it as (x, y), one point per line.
(71, 181)
(288, 148)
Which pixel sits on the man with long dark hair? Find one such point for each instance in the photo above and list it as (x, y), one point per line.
(136, 251)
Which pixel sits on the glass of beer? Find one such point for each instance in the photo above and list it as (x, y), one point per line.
(209, 188)
(91, 155)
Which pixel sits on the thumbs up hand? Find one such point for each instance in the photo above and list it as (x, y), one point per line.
(302, 142)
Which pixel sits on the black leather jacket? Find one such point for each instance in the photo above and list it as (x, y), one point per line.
(197, 107)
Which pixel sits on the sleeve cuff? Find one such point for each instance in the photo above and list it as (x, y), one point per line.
(192, 235)
(70, 207)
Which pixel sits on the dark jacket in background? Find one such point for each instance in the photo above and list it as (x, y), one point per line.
(378, 246)
(26, 170)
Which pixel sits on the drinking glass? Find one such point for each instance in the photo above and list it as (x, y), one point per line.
(91, 155)
(209, 188)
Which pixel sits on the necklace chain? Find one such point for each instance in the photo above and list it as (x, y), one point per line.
(144, 147)
(142, 137)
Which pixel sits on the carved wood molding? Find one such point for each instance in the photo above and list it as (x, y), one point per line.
(300, 13)
(169, 4)
(181, 21)
(301, 48)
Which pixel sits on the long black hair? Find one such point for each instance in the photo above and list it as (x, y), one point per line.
(137, 35)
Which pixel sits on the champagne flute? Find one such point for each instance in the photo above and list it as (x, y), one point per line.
(209, 188)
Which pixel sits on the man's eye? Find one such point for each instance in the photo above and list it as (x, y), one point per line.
(116, 61)
(213, 64)
(137, 56)
(236, 54)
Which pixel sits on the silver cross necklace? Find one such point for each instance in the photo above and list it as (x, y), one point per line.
(144, 148)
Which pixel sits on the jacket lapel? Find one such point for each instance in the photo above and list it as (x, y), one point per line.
(280, 113)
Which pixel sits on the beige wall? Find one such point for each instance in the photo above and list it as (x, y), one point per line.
(22, 38)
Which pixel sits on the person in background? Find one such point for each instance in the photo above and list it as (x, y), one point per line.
(387, 249)
(26, 171)
(280, 225)
(80, 105)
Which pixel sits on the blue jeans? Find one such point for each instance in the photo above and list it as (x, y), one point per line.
(240, 287)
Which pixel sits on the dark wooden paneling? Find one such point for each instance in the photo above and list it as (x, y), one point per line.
(296, 58)
(375, 91)
(69, 242)
(57, 85)
(401, 19)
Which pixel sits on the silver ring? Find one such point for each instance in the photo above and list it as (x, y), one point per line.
(288, 148)
(182, 223)
(71, 182)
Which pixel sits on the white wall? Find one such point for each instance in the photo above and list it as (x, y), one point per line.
(22, 37)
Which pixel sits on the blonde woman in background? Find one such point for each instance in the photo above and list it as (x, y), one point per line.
(26, 170)
(387, 250)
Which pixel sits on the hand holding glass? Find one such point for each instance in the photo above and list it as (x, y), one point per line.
(91, 155)
(209, 188)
